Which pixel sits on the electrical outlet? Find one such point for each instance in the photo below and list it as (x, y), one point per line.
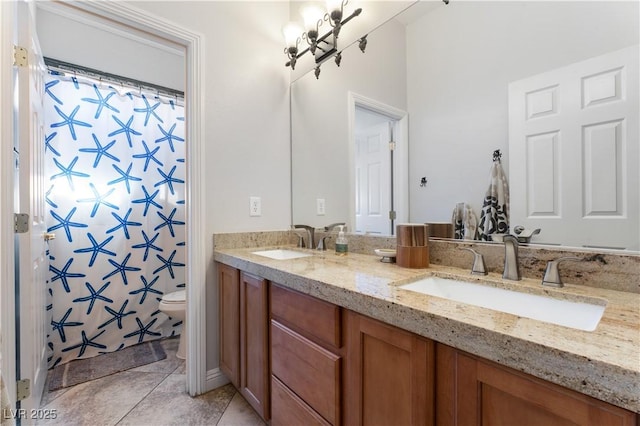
(255, 206)
(320, 206)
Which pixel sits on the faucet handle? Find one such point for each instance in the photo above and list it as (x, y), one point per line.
(552, 272)
(322, 244)
(479, 267)
(300, 240)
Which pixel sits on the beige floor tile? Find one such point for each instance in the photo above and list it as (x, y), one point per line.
(103, 401)
(240, 413)
(169, 404)
(48, 396)
(168, 365)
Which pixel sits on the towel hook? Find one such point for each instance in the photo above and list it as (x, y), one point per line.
(497, 155)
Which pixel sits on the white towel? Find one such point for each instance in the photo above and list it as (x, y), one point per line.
(494, 218)
(465, 222)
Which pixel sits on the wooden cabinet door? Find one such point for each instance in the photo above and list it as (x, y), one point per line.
(254, 343)
(229, 316)
(472, 391)
(390, 377)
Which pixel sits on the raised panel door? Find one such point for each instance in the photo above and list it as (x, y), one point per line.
(472, 391)
(229, 316)
(573, 152)
(254, 343)
(389, 375)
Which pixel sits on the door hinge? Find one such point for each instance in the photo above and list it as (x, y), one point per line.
(20, 56)
(392, 215)
(392, 146)
(20, 223)
(23, 389)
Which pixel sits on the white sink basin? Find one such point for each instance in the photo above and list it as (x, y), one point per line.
(578, 315)
(281, 254)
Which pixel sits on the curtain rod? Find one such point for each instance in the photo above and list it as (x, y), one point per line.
(65, 67)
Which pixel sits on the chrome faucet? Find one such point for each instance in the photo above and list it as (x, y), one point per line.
(479, 267)
(330, 228)
(511, 265)
(552, 273)
(310, 235)
(322, 245)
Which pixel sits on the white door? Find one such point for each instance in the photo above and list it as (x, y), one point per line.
(31, 248)
(373, 179)
(573, 153)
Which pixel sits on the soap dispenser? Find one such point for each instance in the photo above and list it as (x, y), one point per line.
(341, 243)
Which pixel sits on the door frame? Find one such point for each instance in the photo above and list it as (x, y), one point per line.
(198, 379)
(401, 153)
(7, 255)
(195, 213)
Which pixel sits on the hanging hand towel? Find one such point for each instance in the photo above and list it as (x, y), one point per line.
(494, 218)
(465, 222)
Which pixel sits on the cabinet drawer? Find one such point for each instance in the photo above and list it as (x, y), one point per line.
(317, 319)
(311, 372)
(288, 409)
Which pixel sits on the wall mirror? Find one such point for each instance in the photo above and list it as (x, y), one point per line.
(442, 74)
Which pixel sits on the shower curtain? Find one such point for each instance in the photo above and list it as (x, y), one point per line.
(115, 160)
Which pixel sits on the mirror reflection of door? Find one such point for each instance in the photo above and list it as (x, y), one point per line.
(374, 172)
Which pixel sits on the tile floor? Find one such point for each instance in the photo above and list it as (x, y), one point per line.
(152, 394)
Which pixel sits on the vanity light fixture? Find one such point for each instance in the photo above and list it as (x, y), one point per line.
(312, 16)
(320, 46)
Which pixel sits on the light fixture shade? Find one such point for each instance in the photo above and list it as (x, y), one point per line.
(311, 15)
(333, 5)
(292, 31)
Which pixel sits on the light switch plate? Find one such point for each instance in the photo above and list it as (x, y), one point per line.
(320, 206)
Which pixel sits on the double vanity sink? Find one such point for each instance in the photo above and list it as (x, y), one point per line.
(583, 338)
(580, 315)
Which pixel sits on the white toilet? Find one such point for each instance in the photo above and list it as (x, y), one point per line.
(174, 305)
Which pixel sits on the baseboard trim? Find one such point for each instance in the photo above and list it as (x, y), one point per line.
(215, 379)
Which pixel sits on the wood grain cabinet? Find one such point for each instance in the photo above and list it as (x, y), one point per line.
(306, 360)
(229, 321)
(244, 335)
(390, 374)
(254, 342)
(299, 360)
(473, 391)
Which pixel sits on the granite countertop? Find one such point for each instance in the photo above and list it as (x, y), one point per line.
(604, 363)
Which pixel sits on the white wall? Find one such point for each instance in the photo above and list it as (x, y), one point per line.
(460, 61)
(68, 36)
(247, 120)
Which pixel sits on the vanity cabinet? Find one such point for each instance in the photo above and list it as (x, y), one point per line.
(299, 360)
(306, 359)
(471, 390)
(244, 335)
(390, 374)
(229, 321)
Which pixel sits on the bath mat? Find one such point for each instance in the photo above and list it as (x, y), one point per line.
(83, 370)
